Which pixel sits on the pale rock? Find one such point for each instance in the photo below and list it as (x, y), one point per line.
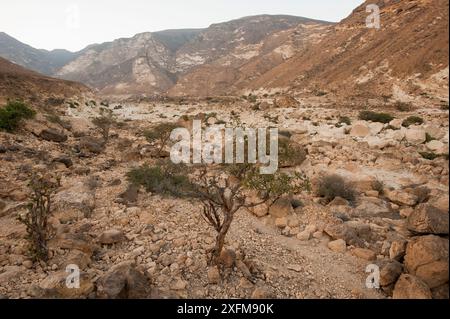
(364, 253)
(281, 222)
(213, 275)
(360, 129)
(338, 246)
(304, 235)
(396, 124)
(437, 147)
(415, 136)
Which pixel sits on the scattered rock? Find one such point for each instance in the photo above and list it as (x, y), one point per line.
(262, 293)
(281, 208)
(364, 253)
(397, 250)
(123, 281)
(111, 236)
(338, 246)
(54, 286)
(213, 275)
(411, 287)
(415, 136)
(401, 197)
(53, 135)
(286, 101)
(281, 222)
(390, 273)
(427, 258)
(360, 130)
(427, 219)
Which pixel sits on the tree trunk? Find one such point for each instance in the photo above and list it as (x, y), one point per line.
(220, 238)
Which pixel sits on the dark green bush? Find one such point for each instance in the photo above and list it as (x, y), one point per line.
(412, 120)
(163, 179)
(375, 117)
(12, 113)
(332, 186)
(345, 120)
(429, 155)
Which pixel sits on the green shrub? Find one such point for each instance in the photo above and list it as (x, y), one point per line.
(344, 120)
(375, 117)
(412, 120)
(160, 135)
(12, 113)
(163, 179)
(332, 186)
(429, 155)
(428, 138)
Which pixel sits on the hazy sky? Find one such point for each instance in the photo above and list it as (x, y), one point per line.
(74, 24)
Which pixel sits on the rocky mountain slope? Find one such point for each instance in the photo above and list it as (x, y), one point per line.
(153, 62)
(18, 82)
(406, 58)
(42, 61)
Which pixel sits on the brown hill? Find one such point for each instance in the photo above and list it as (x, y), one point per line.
(406, 58)
(18, 82)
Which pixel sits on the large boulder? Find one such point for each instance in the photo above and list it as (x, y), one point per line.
(390, 272)
(123, 281)
(54, 286)
(411, 287)
(360, 129)
(53, 135)
(281, 208)
(437, 147)
(401, 197)
(416, 136)
(427, 258)
(78, 197)
(427, 219)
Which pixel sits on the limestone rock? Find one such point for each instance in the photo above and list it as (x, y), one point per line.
(338, 246)
(123, 281)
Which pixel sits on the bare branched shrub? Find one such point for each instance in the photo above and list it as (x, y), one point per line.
(160, 135)
(332, 186)
(222, 190)
(36, 219)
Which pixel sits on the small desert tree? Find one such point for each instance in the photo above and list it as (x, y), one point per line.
(222, 190)
(39, 210)
(104, 123)
(160, 135)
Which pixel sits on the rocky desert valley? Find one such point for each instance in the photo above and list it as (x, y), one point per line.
(359, 205)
